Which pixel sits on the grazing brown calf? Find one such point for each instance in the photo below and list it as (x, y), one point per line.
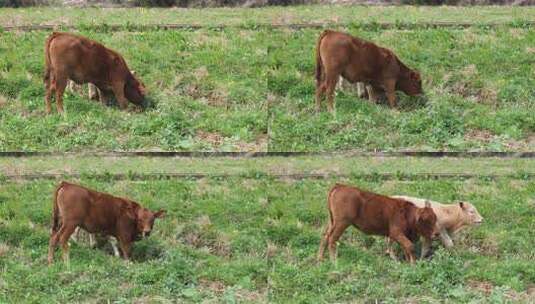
(76, 206)
(69, 56)
(358, 60)
(375, 214)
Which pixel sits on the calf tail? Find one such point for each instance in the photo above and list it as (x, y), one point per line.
(55, 209)
(319, 64)
(46, 77)
(329, 197)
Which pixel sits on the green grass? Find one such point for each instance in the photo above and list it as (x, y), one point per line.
(328, 165)
(208, 88)
(250, 17)
(477, 85)
(211, 86)
(255, 240)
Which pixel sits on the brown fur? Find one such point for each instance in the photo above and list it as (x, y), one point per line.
(375, 214)
(76, 206)
(69, 56)
(358, 60)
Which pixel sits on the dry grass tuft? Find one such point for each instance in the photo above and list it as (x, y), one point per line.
(4, 249)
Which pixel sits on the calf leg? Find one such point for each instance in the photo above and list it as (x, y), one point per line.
(61, 83)
(361, 90)
(76, 234)
(323, 242)
(320, 91)
(70, 86)
(390, 249)
(93, 92)
(54, 238)
(103, 98)
(64, 241)
(334, 235)
(426, 246)
(373, 95)
(406, 244)
(118, 90)
(113, 242)
(92, 240)
(330, 86)
(390, 89)
(446, 239)
(340, 86)
(50, 88)
(125, 248)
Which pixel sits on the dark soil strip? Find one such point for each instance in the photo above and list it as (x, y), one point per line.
(179, 26)
(429, 154)
(259, 175)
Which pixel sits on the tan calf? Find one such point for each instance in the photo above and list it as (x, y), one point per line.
(451, 218)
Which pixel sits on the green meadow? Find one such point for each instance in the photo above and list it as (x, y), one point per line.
(207, 90)
(249, 87)
(274, 14)
(477, 94)
(255, 240)
(248, 230)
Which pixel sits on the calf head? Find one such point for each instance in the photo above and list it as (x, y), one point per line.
(426, 222)
(134, 90)
(469, 214)
(410, 83)
(145, 220)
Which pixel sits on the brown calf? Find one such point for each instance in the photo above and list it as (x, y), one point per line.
(358, 60)
(96, 212)
(69, 56)
(375, 214)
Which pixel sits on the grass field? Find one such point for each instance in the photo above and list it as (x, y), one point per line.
(251, 88)
(334, 165)
(208, 88)
(254, 239)
(476, 83)
(249, 231)
(252, 17)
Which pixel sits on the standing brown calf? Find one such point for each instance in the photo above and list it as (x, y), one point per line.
(359, 60)
(69, 56)
(76, 206)
(375, 214)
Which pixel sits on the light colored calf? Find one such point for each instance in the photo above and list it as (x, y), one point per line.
(92, 240)
(451, 218)
(344, 85)
(93, 91)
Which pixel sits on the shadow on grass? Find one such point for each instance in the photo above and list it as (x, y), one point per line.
(141, 251)
(412, 103)
(146, 250)
(405, 103)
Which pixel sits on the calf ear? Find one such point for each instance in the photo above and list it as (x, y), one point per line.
(160, 213)
(427, 204)
(461, 204)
